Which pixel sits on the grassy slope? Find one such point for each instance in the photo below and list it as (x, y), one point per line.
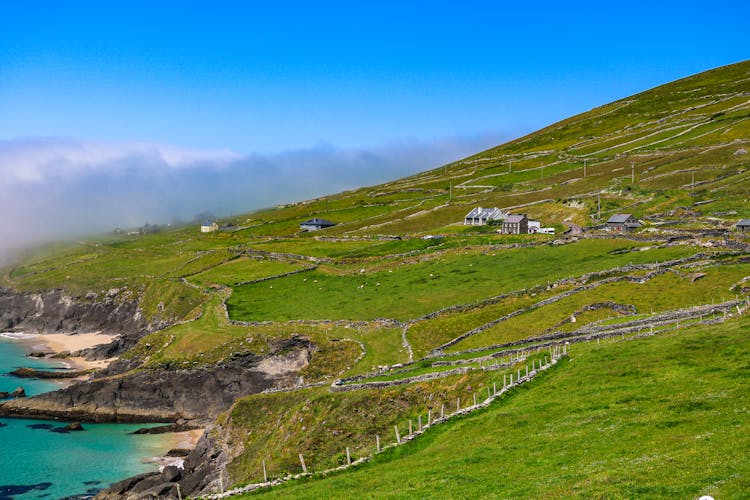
(690, 129)
(663, 417)
(411, 291)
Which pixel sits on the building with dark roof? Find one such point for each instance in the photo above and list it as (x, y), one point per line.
(743, 225)
(622, 223)
(316, 224)
(515, 224)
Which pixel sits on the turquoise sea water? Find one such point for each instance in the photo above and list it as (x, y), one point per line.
(38, 462)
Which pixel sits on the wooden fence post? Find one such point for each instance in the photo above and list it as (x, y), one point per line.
(419, 422)
(265, 474)
(377, 442)
(398, 438)
(442, 411)
(458, 404)
(494, 389)
(410, 430)
(429, 417)
(302, 461)
(348, 457)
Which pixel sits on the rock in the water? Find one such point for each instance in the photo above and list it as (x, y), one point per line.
(4, 394)
(18, 393)
(74, 426)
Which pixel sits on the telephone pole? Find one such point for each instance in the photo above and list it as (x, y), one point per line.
(632, 172)
(584, 168)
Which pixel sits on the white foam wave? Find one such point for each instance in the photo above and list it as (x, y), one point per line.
(17, 335)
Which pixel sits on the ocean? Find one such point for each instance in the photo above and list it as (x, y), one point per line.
(39, 460)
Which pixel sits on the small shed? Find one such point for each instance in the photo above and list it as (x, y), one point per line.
(209, 226)
(316, 224)
(481, 216)
(743, 225)
(516, 224)
(534, 226)
(622, 223)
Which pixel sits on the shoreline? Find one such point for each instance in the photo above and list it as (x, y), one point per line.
(183, 440)
(59, 343)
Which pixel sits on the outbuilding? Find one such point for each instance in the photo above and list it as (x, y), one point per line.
(622, 223)
(316, 224)
(743, 225)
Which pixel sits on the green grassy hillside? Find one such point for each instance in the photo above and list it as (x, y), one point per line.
(662, 417)
(400, 288)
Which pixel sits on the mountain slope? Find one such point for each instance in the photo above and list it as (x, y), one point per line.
(402, 307)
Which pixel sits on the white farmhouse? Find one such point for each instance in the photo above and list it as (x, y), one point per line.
(481, 216)
(209, 226)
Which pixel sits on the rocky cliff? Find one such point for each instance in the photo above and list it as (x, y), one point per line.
(157, 394)
(54, 311)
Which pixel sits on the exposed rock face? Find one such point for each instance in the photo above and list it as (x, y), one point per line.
(164, 394)
(201, 475)
(53, 311)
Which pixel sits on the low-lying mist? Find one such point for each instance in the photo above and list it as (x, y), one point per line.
(54, 189)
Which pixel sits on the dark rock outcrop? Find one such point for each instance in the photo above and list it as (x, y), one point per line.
(171, 474)
(167, 394)
(18, 393)
(54, 311)
(49, 374)
(74, 426)
(200, 475)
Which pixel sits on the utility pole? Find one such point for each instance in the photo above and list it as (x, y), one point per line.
(693, 181)
(584, 168)
(598, 206)
(632, 172)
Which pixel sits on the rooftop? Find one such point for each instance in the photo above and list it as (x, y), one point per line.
(619, 218)
(318, 222)
(515, 218)
(484, 213)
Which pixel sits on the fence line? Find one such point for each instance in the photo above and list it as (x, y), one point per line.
(556, 353)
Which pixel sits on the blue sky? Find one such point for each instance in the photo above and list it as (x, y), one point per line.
(147, 103)
(268, 76)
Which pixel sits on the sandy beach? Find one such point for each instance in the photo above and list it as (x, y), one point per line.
(65, 342)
